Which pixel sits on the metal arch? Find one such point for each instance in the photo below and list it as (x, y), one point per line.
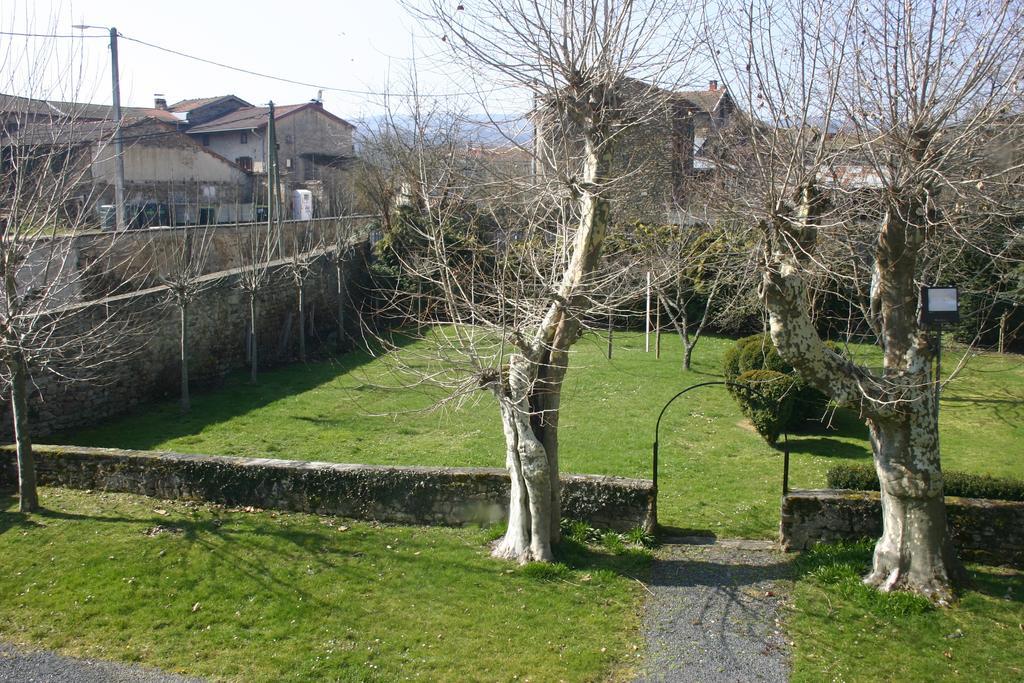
(657, 427)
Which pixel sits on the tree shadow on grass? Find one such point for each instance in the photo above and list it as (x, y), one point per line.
(10, 518)
(1004, 584)
(241, 545)
(827, 448)
(1005, 406)
(823, 439)
(152, 424)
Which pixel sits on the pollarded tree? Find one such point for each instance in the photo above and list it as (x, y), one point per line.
(869, 121)
(518, 277)
(46, 323)
(181, 264)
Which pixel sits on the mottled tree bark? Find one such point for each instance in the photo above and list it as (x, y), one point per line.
(531, 398)
(914, 552)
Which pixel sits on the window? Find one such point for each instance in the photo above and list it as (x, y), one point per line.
(245, 163)
(205, 140)
(287, 139)
(243, 138)
(288, 162)
(207, 215)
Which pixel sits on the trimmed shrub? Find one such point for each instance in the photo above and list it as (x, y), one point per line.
(757, 352)
(731, 359)
(760, 354)
(770, 404)
(864, 478)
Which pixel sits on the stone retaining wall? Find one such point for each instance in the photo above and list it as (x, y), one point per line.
(405, 495)
(150, 340)
(990, 531)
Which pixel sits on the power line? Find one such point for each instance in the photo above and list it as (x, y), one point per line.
(47, 35)
(250, 72)
(282, 79)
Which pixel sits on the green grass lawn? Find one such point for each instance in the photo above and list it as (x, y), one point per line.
(232, 594)
(717, 475)
(844, 631)
(261, 596)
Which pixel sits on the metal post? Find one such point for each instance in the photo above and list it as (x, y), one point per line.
(609, 336)
(647, 319)
(657, 327)
(785, 463)
(938, 366)
(654, 480)
(118, 140)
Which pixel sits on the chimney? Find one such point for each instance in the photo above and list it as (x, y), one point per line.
(713, 86)
(159, 101)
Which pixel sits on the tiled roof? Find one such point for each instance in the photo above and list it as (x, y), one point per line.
(77, 110)
(185, 106)
(705, 100)
(245, 118)
(248, 118)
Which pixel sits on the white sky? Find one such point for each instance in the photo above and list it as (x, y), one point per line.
(360, 46)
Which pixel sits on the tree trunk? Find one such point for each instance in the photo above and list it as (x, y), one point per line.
(528, 537)
(530, 401)
(914, 552)
(28, 497)
(254, 341)
(302, 323)
(341, 304)
(185, 402)
(687, 354)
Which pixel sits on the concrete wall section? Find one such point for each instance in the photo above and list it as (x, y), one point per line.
(405, 495)
(989, 531)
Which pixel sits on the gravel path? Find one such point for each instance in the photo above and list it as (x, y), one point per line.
(713, 613)
(41, 666)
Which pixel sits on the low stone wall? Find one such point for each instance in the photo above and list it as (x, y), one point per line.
(990, 531)
(406, 495)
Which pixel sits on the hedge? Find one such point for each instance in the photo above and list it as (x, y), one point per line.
(864, 478)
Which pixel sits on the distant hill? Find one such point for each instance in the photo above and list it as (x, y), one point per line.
(476, 128)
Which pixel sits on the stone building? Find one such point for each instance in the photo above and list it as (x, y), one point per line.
(315, 148)
(170, 179)
(658, 148)
(196, 161)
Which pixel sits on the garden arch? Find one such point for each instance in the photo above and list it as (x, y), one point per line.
(657, 428)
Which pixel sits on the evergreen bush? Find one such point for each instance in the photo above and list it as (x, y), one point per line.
(769, 401)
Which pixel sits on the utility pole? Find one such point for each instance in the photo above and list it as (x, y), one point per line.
(118, 139)
(274, 181)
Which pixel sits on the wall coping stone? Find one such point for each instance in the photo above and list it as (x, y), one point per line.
(451, 496)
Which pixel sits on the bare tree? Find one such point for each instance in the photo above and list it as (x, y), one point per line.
(47, 325)
(181, 264)
(696, 271)
(306, 248)
(339, 245)
(508, 245)
(867, 122)
(256, 247)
